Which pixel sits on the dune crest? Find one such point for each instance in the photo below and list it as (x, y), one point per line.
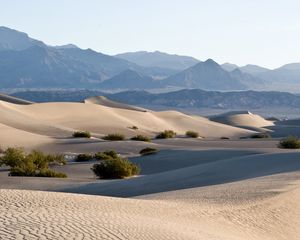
(10, 99)
(104, 101)
(242, 119)
(61, 119)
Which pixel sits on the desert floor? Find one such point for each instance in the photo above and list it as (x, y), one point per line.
(204, 188)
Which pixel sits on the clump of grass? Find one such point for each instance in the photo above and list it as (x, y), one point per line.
(83, 157)
(50, 173)
(34, 164)
(148, 151)
(106, 155)
(192, 134)
(261, 135)
(114, 137)
(141, 138)
(166, 134)
(82, 134)
(290, 142)
(224, 138)
(113, 166)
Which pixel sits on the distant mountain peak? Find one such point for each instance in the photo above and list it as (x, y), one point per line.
(211, 62)
(159, 59)
(229, 66)
(66, 46)
(11, 39)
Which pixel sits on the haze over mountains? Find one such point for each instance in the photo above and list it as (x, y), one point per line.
(30, 63)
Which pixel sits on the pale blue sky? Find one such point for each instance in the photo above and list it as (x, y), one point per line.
(264, 32)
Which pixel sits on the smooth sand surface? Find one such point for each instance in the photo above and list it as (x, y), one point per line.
(242, 118)
(104, 101)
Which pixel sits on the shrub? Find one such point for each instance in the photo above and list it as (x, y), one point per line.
(25, 168)
(33, 164)
(58, 159)
(166, 134)
(261, 135)
(134, 128)
(106, 155)
(13, 157)
(148, 150)
(83, 157)
(82, 134)
(224, 138)
(50, 173)
(115, 168)
(114, 137)
(290, 142)
(192, 134)
(141, 138)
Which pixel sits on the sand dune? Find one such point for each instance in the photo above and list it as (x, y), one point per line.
(203, 174)
(12, 137)
(14, 100)
(60, 119)
(101, 100)
(242, 119)
(47, 215)
(193, 189)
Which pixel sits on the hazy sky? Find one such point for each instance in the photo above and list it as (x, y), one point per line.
(264, 32)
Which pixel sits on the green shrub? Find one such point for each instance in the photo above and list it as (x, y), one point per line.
(50, 173)
(114, 137)
(57, 159)
(25, 168)
(13, 157)
(261, 135)
(106, 155)
(148, 150)
(82, 134)
(33, 164)
(192, 134)
(166, 134)
(83, 157)
(290, 142)
(115, 168)
(141, 138)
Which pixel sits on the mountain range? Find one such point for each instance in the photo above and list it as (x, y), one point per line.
(187, 98)
(30, 63)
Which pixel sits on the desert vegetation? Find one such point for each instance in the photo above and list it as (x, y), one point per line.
(112, 166)
(261, 135)
(34, 164)
(148, 151)
(290, 142)
(84, 157)
(141, 138)
(166, 134)
(82, 134)
(114, 137)
(224, 138)
(192, 134)
(106, 155)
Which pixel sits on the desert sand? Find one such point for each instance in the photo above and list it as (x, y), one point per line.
(242, 119)
(206, 188)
